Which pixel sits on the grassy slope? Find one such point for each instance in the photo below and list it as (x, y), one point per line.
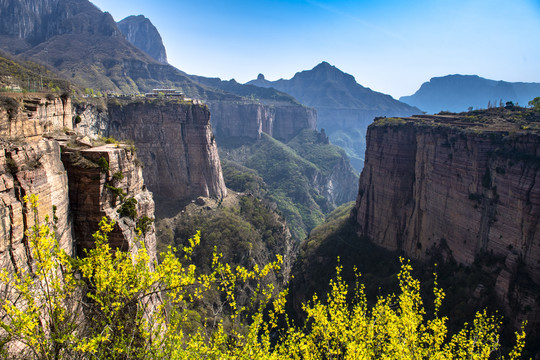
(288, 178)
(287, 172)
(29, 75)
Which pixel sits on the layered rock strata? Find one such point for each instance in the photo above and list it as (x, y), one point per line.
(175, 143)
(33, 164)
(31, 168)
(103, 182)
(249, 120)
(460, 186)
(31, 117)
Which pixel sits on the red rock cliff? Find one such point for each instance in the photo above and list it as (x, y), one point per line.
(73, 193)
(466, 185)
(175, 143)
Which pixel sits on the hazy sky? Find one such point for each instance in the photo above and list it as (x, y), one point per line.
(389, 46)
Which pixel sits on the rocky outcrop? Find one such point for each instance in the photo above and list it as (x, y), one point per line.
(107, 181)
(174, 140)
(463, 186)
(140, 31)
(73, 189)
(31, 168)
(32, 117)
(249, 120)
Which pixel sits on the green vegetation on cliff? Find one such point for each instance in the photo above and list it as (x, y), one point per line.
(29, 76)
(244, 229)
(288, 174)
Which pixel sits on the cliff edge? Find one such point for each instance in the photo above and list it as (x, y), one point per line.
(459, 186)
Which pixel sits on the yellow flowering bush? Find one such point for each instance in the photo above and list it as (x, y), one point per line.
(118, 305)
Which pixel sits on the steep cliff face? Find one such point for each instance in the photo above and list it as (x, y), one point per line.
(249, 120)
(96, 190)
(140, 31)
(175, 143)
(72, 189)
(36, 21)
(31, 168)
(32, 117)
(463, 186)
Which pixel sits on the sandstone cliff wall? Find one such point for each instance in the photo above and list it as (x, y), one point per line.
(31, 169)
(427, 189)
(249, 120)
(31, 117)
(176, 145)
(95, 192)
(33, 164)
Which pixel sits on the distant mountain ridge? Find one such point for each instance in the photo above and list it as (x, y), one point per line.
(344, 107)
(140, 31)
(457, 93)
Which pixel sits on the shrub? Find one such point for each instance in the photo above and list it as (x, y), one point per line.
(119, 175)
(103, 164)
(117, 192)
(144, 223)
(128, 208)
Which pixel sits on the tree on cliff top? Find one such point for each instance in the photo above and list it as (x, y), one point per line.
(535, 103)
(119, 320)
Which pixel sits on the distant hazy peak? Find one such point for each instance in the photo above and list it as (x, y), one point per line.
(326, 72)
(140, 32)
(260, 77)
(457, 93)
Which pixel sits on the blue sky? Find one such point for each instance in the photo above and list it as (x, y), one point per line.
(389, 46)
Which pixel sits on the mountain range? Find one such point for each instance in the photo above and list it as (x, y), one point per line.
(87, 47)
(344, 107)
(458, 93)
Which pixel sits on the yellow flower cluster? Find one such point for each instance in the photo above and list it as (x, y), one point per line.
(116, 305)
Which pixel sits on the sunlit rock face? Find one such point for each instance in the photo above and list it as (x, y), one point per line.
(436, 184)
(38, 157)
(249, 120)
(176, 145)
(139, 31)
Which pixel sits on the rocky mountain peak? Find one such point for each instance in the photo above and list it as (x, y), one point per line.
(140, 32)
(325, 72)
